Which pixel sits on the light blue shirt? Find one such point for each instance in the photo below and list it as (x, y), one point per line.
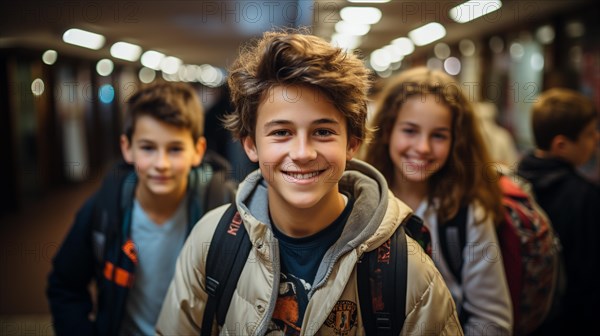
(158, 247)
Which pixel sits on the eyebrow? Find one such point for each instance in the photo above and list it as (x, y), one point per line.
(438, 129)
(279, 122)
(148, 141)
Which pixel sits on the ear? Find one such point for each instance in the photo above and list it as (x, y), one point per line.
(250, 148)
(353, 146)
(126, 149)
(558, 145)
(199, 150)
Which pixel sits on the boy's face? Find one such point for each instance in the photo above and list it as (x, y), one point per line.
(163, 156)
(580, 151)
(301, 145)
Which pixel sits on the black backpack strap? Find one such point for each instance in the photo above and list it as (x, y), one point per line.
(386, 280)
(225, 261)
(453, 239)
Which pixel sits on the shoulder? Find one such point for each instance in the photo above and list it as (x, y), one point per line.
(205, 228)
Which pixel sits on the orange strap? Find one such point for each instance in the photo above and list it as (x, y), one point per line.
(121, 276)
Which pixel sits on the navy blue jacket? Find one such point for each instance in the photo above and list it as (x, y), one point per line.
(96, 248)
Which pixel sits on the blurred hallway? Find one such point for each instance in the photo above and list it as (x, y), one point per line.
(28, 240)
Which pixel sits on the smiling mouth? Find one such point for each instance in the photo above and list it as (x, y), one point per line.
(303, 176)
(160, 178)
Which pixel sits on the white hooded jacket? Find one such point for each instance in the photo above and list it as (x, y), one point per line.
(375, 216)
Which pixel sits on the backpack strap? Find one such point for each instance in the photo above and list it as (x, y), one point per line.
(382, 285)
(225, 261)
(453, 239)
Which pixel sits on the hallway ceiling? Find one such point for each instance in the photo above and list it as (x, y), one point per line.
(210, 32)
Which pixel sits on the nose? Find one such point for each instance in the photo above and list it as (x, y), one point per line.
(423, 145)
(302, 150)
(162, 160)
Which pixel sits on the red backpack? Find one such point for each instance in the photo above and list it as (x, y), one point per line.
(531, 253)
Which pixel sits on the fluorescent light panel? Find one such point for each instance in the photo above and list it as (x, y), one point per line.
(473, 9)
(126, 51)
(84, 38)
(152, 59)
(406, 45)
(368, 1)
(346, 42)
(364, 15)
(428, 33)
(344, 27)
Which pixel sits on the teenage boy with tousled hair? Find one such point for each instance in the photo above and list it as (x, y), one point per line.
(310, 211)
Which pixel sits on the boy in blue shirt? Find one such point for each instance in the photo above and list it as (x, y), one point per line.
(127, 236)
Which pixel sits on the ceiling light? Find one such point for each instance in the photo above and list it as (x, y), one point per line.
(84, 38)
(346, 42)
(37, 87)
(49, 56)
(442, 51)
(345, 27)
(395, 52)
(380, 59)
(368, 1)
(170, 65)
(452, 66)
(104, 67)
(151, 59)
(428, 33)
(405, 44)
(147, 75)
(364, 15)
(466, 47)
(473, 9)
(126, 51)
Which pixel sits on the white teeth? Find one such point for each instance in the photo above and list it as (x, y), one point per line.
(418, 162)
(303, 176)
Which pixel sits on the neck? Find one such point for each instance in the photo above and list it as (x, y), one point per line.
(411, 193)
(159, 208)
(303, 222)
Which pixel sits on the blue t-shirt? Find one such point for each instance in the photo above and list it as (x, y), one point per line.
(300, 259)
(158, 247)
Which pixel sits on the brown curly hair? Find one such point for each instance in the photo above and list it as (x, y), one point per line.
(468, 173)
(297, 58)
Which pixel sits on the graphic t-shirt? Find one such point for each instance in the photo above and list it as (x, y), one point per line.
(300, 259)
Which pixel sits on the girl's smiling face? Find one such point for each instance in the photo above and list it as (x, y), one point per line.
(421, 138)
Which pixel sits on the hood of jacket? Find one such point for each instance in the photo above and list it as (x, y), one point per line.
(374, 218)
(543, 173)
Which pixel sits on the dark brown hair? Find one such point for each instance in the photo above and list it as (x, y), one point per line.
(560, 112)
(176, 104)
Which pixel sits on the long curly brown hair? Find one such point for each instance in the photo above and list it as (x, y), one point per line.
(468, 174)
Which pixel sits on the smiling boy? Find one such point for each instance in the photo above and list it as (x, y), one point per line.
(128, 235)
(310, 211)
